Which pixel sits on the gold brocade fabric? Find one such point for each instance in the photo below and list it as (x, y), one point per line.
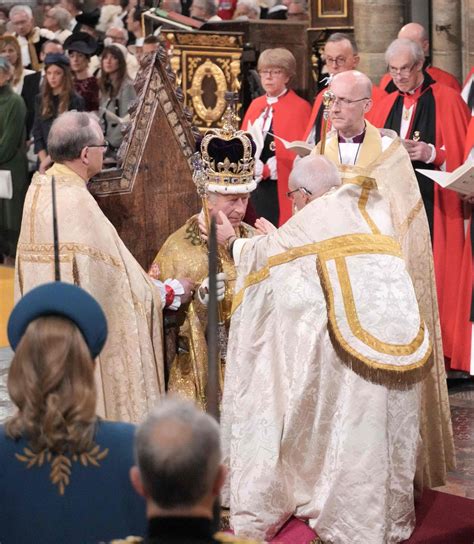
(396, 181)
(184, 255)
(129, 371)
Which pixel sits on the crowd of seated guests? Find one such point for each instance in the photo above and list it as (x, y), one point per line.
(62, 59)
(66, 57)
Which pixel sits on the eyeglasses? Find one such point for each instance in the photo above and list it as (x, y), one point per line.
(275, 72)
(105, 145)
(338, 61)
(305, 191)
(345, 102)
(403, 71)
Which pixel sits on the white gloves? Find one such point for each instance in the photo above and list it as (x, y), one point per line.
(203, 291)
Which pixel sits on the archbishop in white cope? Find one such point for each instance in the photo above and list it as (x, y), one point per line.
(326, 353)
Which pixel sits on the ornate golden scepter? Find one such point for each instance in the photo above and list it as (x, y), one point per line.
(328, 99)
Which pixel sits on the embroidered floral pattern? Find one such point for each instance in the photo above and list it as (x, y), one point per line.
(61, 465)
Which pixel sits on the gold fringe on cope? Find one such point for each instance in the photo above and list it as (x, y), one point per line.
(394, 378)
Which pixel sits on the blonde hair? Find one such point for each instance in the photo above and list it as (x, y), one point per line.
(278, 58)
(51, 381)
(18, 66)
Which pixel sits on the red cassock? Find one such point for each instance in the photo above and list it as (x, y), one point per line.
(461, 355)
(451, 118)
(290, 117)
(440, 76)
(317, 112)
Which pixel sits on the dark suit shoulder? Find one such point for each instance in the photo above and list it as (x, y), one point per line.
(127, 540)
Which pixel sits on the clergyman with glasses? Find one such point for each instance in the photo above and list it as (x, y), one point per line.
(280, 113)
(432, 120)
(340, 55)
(360, 149)
(130, 372)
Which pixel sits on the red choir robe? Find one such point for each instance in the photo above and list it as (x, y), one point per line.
(290, 117)
(461, 354)
(450, 116)
(440, 76)
(318, 109)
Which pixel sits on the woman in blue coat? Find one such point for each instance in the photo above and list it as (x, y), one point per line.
(64, 473)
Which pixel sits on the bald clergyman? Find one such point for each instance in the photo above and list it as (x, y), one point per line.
(358, 148)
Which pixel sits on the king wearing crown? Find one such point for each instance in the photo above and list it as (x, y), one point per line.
(223, 171)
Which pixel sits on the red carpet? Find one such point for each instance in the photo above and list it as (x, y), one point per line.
(440, 519)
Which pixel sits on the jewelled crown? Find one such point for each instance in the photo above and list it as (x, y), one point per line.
(226, 161)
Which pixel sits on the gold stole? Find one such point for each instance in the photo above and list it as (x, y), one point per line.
(35, 63)
(370, 149)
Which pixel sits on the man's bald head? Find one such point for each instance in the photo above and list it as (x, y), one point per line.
(353, 92)
(416, 33)
(359, 82)
(314, 175)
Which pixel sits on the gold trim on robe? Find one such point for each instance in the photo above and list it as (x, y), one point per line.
(185, 255)
(129, 371)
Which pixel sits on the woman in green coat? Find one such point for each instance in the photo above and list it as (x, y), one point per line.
(13, 159)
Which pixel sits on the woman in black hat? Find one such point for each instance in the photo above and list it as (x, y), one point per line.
(80, 47)
(64, 471)
(57, 96)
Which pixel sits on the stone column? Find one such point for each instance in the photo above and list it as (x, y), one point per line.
(376, 24)
(446, 36)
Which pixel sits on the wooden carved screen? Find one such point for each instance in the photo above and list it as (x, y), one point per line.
(331, 13)
(263, 35)
(152, 194)
(207, 66)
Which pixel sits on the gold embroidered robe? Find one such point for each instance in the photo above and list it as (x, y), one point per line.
(391, 168)
(129, 371)
(184, 255)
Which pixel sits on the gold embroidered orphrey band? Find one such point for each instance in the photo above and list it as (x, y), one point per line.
(340, 246)
(337, 249)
